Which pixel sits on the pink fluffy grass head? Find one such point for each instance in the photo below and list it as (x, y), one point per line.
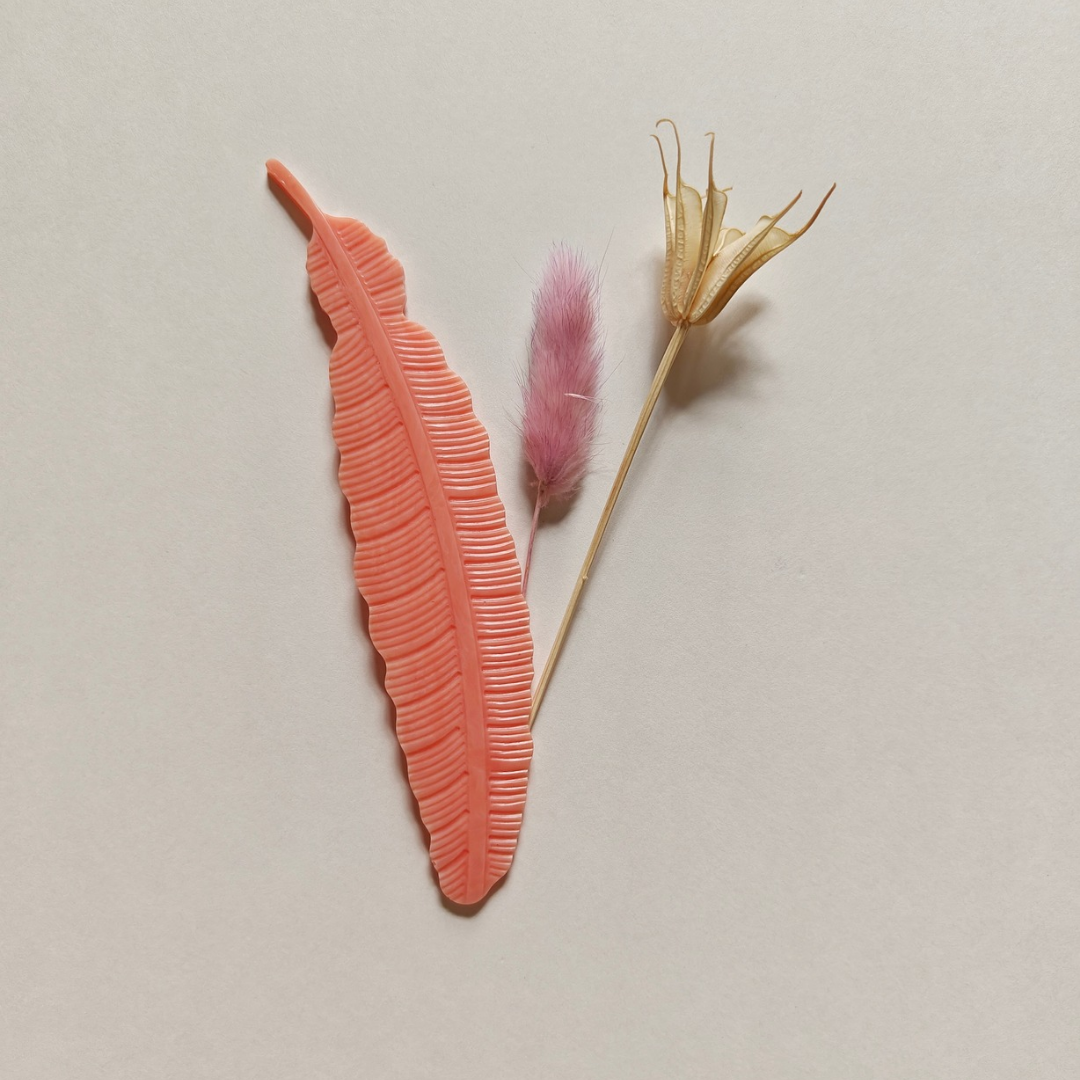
(561, 404)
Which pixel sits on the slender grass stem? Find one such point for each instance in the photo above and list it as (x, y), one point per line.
(532, 536)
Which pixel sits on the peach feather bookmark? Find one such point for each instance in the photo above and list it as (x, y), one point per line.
(434, 559)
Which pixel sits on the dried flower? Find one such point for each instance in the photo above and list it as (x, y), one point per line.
(704, 266)
(560, 407)
(706, 263)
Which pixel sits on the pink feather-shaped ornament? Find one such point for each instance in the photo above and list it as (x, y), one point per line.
(561, 407)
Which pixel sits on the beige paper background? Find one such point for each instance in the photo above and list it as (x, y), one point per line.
(805, 797)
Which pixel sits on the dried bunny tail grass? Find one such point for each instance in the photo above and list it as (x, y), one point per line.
(561, 409)
(560, 414)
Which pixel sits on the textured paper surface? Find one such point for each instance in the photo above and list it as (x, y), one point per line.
(805, 797)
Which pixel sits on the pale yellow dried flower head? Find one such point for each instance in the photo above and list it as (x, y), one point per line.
(706, 263)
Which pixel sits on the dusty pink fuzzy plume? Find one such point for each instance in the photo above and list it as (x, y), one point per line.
(561, 407)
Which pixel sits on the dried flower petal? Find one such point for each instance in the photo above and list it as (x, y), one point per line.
(705, 263)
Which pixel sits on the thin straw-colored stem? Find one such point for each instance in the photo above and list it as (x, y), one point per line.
(643, 419)
(532, 536)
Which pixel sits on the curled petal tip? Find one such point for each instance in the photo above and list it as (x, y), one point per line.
(711, 136)
(825, 199)
(663, 161)
(777, 217)
(678, 147)
(814, 215)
